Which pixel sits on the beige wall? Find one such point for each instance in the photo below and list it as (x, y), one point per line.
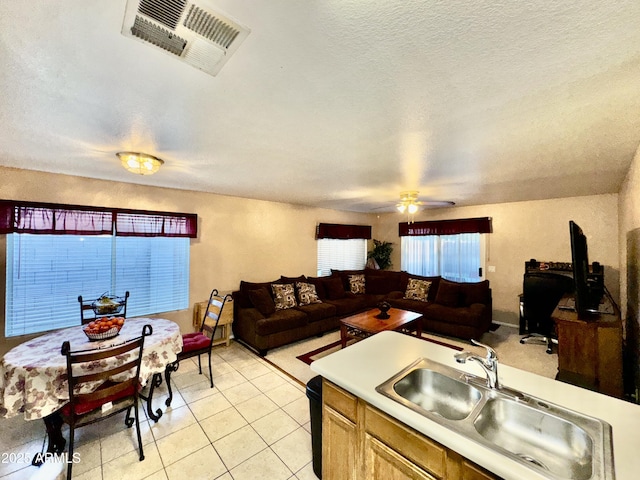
(629, 243)
(629, 206)
(525, 230)
(243, 239)
(238, 239)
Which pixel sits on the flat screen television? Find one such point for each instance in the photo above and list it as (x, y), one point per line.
(587, 297)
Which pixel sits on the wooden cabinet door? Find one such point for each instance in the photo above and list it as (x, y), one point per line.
(384, 463)
(339, 446)
(471, 471)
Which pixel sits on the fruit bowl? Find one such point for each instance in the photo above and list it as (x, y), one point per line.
(103, 328)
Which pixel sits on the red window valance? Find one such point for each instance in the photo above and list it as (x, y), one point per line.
(58, 219)
(342, 232)
(155, 224)
(445, 227)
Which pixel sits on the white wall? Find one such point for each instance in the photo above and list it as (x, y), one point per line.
(525, 230)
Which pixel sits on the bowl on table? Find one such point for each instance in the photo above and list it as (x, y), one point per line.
(108, 305)
(103, 328)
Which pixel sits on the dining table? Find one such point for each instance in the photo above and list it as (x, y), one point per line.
(33, 375)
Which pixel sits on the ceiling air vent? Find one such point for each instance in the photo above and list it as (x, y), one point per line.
(199, 36)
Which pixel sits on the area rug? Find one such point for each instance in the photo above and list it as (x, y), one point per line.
(335, 346)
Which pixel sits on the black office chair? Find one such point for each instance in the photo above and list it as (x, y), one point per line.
(541, 294)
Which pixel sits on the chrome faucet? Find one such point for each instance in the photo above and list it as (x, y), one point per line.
(489, 363)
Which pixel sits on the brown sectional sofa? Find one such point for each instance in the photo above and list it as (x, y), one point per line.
(454, 309)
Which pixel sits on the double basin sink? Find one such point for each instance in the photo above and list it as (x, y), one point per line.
(556, 442)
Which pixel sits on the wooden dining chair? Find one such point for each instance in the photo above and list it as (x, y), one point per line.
(88, 312)
(200, 342)
(103, 366)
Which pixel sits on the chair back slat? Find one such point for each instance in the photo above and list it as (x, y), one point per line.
(106, 374)
(212, 314)
(107, 391)
(86, 366)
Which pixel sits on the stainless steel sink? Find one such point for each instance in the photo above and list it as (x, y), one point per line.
(539, 436)
(556, 442)
(438, 393)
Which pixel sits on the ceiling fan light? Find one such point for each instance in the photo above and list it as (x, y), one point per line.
(401, 207)
(412, 208)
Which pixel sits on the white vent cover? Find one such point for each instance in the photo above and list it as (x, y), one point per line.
(200, 37)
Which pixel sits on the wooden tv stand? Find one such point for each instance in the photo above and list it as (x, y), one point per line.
(590, 350)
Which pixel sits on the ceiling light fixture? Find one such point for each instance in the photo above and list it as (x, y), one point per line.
(408, 202)
(140, 163)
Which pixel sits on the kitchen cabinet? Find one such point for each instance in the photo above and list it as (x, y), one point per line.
(361, 442)
(590, 351)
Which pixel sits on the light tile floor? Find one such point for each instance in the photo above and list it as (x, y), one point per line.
(254, 424)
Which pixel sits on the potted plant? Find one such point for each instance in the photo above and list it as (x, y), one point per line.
(381, 253)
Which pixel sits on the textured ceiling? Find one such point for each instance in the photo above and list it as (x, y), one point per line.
(335, 103)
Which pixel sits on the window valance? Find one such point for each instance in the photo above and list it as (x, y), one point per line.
(446, 227)
(342, 232)
(59, 219)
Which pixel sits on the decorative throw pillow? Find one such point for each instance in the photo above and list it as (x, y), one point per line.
(356, 283)
(417, 290)
(307, 294)
(283, 296)
(262, 301)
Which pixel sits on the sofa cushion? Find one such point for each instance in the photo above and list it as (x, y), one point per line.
(317, 282)
(474, 292)
(334, 288)
(261, 300)
(356, 283)
(284, 296)
(377, 284)
(245, 286)
(408, 304)
(417, 289)
(318, 311)
(449, 294)
(349, 304)
(281, 321)
(384, 281)
(292, 280)
(306, 293)
(471, 316)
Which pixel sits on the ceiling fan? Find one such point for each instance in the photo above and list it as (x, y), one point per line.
(410, 203)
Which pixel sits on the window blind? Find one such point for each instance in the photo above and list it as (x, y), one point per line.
(46, 273)
(156, 273)
(341, 255)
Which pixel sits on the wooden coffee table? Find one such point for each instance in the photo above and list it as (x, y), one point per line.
(365, 324)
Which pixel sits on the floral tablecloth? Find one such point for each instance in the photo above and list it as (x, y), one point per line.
(33, 374)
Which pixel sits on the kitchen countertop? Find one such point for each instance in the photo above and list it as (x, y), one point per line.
(361, 367)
